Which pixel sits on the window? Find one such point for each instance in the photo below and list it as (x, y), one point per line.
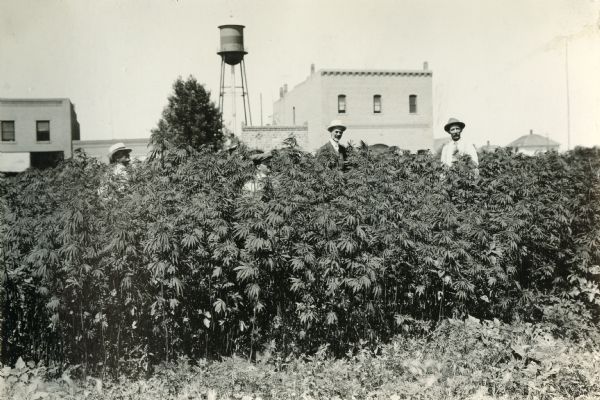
(294, 115)
(43, 131)
(8, 131)
(377, 103)
(412, 104)
(341, 103)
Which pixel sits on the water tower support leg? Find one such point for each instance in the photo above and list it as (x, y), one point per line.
(244, 92)
(247, 97)
(222, 88)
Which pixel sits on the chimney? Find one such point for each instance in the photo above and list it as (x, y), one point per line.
(531, 131)
(280, 92)
(285, 88)
(425, 66)
(312, 68)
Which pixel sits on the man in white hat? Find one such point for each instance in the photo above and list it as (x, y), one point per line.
(457, 147)
(119, 156)
(334, 148)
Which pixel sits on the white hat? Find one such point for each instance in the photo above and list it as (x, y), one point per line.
(117, 147)
(336, 123)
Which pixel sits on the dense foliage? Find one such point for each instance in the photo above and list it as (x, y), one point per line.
(189, 119)
(470, 360)
(179, 260)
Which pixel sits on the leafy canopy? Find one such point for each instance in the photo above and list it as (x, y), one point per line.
(190, 119)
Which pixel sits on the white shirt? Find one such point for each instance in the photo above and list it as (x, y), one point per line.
(335, 145)
(453, 150)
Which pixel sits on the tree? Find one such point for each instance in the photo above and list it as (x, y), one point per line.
(190, 119)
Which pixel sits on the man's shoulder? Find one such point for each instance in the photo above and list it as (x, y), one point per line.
(327, 147)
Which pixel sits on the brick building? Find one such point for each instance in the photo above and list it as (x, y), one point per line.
(394, 108)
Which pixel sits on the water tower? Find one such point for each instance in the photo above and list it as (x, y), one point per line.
(232, 53)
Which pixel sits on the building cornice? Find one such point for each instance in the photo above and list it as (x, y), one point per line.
(275, 128)
(33, 102)
(334, 72)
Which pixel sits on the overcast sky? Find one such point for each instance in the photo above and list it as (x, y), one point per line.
(498, 65)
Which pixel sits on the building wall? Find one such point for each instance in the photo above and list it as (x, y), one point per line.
(301, 106)
(267, 138)
(316, 103)
(99, 148)
(25, 113)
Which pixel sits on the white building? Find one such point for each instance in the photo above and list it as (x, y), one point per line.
(36, 132)
(378, 107)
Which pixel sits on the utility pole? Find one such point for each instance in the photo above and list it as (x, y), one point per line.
(567, 89)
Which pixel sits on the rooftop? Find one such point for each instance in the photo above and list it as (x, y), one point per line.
(533, 140)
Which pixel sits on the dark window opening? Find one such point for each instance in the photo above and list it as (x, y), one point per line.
(412, 103)
(8, 131)
(377, 103)
(43, 131)
(341, 103)
(46, 159)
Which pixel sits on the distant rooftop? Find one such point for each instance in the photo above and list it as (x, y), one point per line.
(533, 140)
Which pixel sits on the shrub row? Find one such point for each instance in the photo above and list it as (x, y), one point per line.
(475, 360)
(179, 260)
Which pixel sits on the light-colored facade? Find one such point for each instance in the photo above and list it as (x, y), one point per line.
(36, 132)
(378, 107)
(99, 148)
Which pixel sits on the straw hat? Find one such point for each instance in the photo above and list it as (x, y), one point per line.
(336, 123)
(116, 148)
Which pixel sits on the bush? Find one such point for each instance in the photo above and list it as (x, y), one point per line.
(179, 260)
(469, 359)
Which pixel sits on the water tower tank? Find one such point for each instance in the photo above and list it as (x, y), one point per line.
(232, 44)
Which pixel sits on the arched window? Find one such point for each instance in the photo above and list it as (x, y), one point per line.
(412, 104)
(341, 103)
(377, 103)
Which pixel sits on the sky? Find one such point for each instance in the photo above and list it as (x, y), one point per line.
(498, 65)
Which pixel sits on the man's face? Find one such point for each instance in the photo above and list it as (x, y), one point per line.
(122, 157)
(455, 132)
(336, 134)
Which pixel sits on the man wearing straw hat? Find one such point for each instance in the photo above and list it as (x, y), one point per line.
(457, 147)
(119, 155)
(334, 148)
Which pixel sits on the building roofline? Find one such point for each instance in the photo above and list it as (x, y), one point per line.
(111, 141)
(375, 72)
(25, 100)
(274, 128)
(533, 140)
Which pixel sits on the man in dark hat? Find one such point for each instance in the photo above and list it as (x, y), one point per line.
(258, 183)
(457, 147)
(334, 149)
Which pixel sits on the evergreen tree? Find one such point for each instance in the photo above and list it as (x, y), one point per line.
(190, 119)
